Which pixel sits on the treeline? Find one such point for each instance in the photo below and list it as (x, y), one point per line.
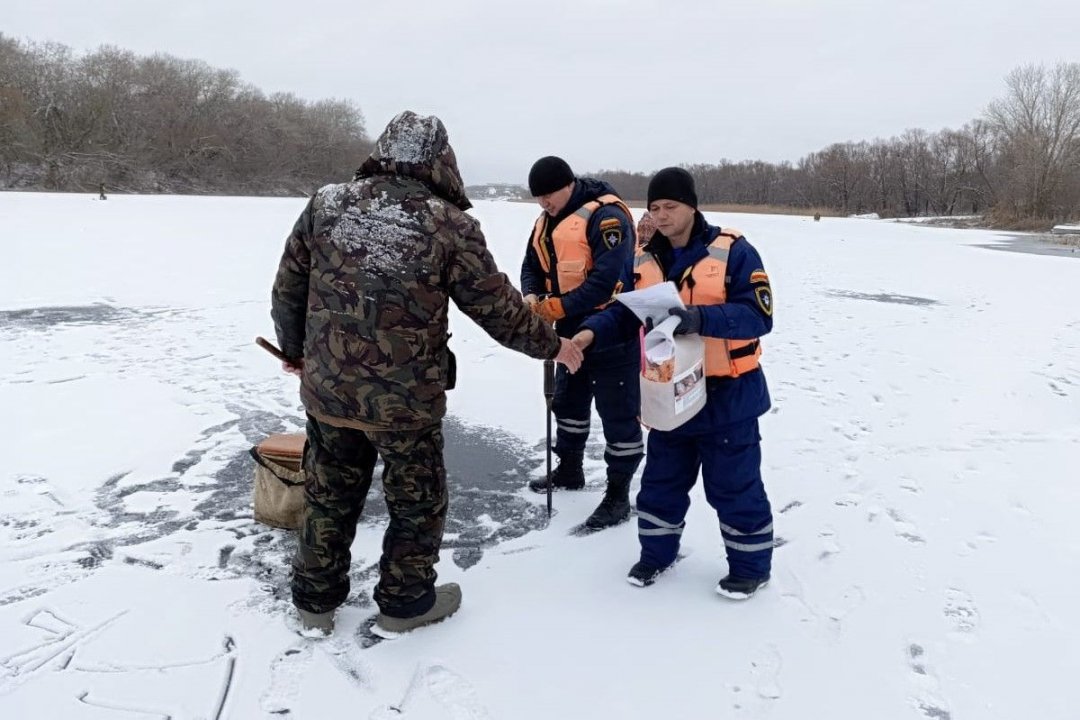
(1018, 163)
(162, 124)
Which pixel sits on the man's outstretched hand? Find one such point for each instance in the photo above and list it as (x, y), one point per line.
(584, 339)
(569, 355)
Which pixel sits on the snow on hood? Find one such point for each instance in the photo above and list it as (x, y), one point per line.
(418, 146)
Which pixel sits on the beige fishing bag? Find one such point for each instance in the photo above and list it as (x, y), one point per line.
(279, 480)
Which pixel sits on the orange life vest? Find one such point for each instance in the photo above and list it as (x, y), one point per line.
(703, 284)
(570, 242)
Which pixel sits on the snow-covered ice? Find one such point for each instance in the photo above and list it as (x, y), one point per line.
(921, 457)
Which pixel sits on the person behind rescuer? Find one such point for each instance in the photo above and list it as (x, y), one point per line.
(360, 306)
(571, 269)
(729, 302)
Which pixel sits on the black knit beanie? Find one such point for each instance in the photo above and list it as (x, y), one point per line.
(549, 174)
(673, 184)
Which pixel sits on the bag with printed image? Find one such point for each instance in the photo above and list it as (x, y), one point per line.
(672, 376)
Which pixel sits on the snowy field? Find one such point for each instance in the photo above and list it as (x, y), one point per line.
(921, 458)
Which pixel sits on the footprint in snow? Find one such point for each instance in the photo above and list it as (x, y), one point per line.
(927, 699)
(287, 672)
(961, 610)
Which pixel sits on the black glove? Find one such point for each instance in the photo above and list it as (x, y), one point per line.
(689, 320)
(648, 325)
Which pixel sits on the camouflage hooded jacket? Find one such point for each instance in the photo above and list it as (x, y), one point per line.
(363, 288)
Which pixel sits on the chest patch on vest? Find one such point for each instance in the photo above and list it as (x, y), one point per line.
(764, 299)
(758, 276)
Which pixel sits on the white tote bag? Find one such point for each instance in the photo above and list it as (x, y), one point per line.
(672, 376)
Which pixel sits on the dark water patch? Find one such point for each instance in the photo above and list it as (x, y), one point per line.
(194, 457)
(147, 526)
(486, 469)
(230, 496)
(481, 457)
(891, 298)
(1035, 245)
(255, 425)
(43, 318)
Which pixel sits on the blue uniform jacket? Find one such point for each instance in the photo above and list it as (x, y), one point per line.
(608, 261)
(743, 316)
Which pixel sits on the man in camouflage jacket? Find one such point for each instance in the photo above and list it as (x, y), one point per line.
(360, 305)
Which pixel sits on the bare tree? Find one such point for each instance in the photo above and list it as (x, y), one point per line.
(162, 123)
(1038, 125)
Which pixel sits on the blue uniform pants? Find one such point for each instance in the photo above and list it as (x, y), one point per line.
(610, 376)
(729, 460)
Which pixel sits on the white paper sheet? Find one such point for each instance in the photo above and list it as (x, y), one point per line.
(652, 302)
(660, 341)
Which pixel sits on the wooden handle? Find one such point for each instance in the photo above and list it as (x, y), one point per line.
(272, 349)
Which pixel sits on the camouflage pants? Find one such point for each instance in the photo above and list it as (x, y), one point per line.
(339, 464)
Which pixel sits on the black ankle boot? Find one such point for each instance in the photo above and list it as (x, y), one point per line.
(614, 509)
(737, 588)
(568, 475)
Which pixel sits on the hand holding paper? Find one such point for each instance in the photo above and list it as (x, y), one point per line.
(689, 320)
(653, 302)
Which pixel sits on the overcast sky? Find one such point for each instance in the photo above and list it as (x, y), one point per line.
(632, 84)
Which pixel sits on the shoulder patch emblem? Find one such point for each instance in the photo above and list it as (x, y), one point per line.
(612, 237)
(758, 276)
(611, 232)
(764, 299)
